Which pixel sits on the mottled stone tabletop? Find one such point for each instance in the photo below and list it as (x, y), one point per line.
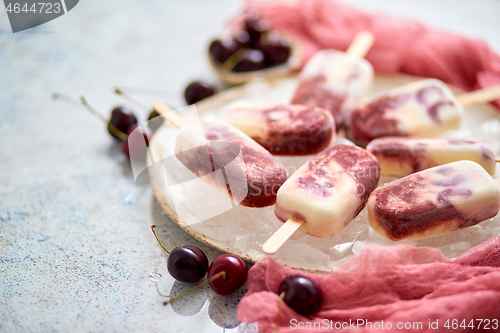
(76, 250)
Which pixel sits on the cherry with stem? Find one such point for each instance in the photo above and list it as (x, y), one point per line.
(135, 146)
(112, 128)
(154, 119)
(185, 263)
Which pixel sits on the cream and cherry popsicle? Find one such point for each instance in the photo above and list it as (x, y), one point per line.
(325, 194)
(283, 129)
(425, 108)
(434, 202)
(401, 156)
(249, 173)
(335, 80)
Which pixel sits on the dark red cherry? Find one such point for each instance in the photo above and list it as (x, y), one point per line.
(196, 91)
(121, 118)
(242, 39)
(252, 60)
(258, 44)
(135, 147)
(236, 273)
(277, 52)
(301, 294)
(187, 263)
(154, 120)
(256, 27)
(221, 50)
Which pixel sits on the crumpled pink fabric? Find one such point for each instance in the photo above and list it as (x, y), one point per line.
(393, 285)
(400, 45)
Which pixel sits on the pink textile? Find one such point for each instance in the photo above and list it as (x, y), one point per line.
(400, 45)
(395, 285)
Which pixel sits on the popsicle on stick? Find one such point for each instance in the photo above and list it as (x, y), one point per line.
(434, 202)
(248, 172)
(402, 156)
(335, 80)
(425, 108)
(325, 194)
(283, 129)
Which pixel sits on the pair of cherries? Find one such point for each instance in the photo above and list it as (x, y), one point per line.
(123, 121)
(188, 263)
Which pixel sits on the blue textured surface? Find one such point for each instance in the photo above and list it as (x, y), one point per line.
(76, 251)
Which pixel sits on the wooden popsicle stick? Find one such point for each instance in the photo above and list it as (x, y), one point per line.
(276, 241)
(361, 44)
(170, 115)
(480, 96)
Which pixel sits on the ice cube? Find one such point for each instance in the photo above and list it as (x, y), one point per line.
(358, 246)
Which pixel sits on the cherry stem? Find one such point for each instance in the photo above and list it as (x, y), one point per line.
(154, 232)
(68, 99)
(198, 286)
(123, 136)
(149, 91)
(279, 312)
(132, 100)
(233, 60)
